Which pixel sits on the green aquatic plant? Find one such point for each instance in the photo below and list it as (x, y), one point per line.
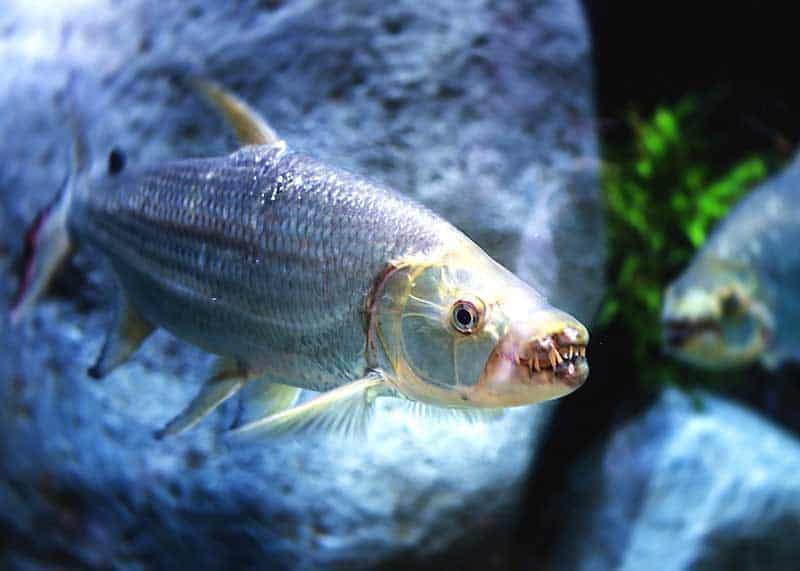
(663, 195)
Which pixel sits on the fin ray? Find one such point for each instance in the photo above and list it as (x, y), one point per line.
(48, 246)
(250, 128)
(128, 332)
(48, 243)
(447, 415)
(228, 380)
(344, 410)
(264, 397)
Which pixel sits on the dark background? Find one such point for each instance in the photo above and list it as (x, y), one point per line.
(739, 62)
(739, 59)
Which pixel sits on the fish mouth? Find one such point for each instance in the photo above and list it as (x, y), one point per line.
(714, 344)
(533, 366)
(555, 360)
(679, 332)
(559, 357)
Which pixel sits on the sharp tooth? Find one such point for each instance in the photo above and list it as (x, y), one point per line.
(571, 351)
(536, 363)
(583, 351)
(559, 360)
(553, 356)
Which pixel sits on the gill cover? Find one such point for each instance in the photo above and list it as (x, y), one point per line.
(459, 330)
(434, 325)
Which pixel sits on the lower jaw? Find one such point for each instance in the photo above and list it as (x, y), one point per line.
(521, 385)
(564, 379)
(572, 374)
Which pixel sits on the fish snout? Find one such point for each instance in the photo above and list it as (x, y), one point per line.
(676, 333)
(541, 358)
(559, 355)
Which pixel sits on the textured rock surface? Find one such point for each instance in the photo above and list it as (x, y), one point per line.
(478, 109)
(716, 488)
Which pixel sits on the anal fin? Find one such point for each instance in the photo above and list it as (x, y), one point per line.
(263, 397)
(344, 410)
(229, 378)
(128, 332)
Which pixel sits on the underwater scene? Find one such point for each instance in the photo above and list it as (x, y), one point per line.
(349, 284)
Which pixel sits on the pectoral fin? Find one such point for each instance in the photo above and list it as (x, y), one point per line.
(446, 415)
(249, 127)
(229, 378)
(263, 397)
(344, 410)
(128, 332)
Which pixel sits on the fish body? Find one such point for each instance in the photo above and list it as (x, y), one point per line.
(265, 253)
(739, 300)
(300, 275)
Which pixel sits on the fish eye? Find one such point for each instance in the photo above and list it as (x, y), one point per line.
(465, 316)
(116, 161)
(731, 304)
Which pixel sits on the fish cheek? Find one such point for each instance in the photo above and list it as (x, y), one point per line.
(742, 334)
(428, 349)
(470, 354)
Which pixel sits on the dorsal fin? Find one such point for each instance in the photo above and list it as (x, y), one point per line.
(250, 128)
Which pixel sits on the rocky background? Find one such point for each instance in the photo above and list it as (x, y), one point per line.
(485, 111)
(481, 110)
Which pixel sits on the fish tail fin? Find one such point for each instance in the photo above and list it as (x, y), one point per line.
(48, 243)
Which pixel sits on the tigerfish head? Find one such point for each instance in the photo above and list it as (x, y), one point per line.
(459, 330)
(715, 315)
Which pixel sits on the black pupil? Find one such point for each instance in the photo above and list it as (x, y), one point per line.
(464, 317)
(730, 304)
(116, 162)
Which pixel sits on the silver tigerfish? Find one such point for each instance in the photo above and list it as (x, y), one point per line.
(302, 276)
(739, 300)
